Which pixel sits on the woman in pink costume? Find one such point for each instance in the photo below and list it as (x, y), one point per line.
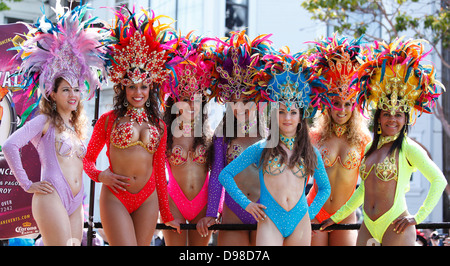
(189, 137)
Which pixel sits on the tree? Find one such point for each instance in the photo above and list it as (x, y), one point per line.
(393, 17)
(4, 6)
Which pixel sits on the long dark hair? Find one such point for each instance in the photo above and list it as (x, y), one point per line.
(153, 112)
(205, 139)
(376, 137)
(303, 149)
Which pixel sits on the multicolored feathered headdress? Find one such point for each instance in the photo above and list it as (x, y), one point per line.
(192, 68)
(289, 79)
(136, 53)
(72, 49)
(235, 60)
(336, 61)
(394, 80)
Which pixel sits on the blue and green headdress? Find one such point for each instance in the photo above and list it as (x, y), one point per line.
(289, 79)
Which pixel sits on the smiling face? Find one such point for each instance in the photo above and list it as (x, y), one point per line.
(66, 97)
(341, 111)
(391, 124)
(137, 94)
(288, 120)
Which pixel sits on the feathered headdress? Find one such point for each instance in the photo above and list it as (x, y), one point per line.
(72, 49)
(336, 63)
(235, 60)
(394, 80)
(289, 79)
(136, 53)
(192, 69)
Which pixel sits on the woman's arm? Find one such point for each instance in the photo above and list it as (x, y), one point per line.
(419, 159)
(250, 155)
(324, 188)
(95, 146)
(20, 138)
(159, 160)
(214, 187)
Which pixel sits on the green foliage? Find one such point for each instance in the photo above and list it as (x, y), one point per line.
(4, 6)
(394, 17)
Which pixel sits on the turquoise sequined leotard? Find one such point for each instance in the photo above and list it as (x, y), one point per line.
(286, 221)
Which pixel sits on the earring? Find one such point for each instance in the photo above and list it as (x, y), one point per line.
(379, 130)
(147, 103)
(54, 106)
(125, 103)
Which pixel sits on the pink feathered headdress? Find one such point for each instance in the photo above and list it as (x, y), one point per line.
(192, 73)
(71, 49)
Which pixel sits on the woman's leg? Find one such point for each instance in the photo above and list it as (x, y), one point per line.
(76, 225)
(364, 237)
(302, 233)
(172, 237)
(268, 234)
(194, 238)
(344, 237)
(145, 219)
(117, 223)
(406, 238)
(52, 219)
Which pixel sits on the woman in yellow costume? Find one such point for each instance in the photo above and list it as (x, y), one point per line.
(340, 132)
(397, 86)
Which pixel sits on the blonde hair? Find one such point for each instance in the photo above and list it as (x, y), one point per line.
(357, 135)
(78, 117)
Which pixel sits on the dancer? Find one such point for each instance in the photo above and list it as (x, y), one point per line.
(187, 160)
(396, 85)
(235, 58)
(284, 163)
(340, 133)
(58, 60)
(134, 133)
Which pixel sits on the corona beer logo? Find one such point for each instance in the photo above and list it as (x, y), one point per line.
(26, 224)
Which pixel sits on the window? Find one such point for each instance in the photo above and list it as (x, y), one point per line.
(236, 16)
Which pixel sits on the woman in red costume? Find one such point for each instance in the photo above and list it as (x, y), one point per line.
(134, 134)
(340, 133)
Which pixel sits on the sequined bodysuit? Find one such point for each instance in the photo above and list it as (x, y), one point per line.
(411, 157)
(125, 137)
(286, 221)
(47, 147)
(188, 208)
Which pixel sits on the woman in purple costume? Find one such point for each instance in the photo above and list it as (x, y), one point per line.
(235, 59)
(58, 60)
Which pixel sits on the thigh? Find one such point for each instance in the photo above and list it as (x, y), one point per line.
(52, 219)
(76, 225)
(344, 237)
(406, 238)
(319, 238)
(302, 233)
(194, 238)
(117, 223)
(145, 219)
(365, 238)
(233, 238)
(172, 237)
(267, 234)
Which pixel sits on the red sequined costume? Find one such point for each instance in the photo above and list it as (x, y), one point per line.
(101, 136)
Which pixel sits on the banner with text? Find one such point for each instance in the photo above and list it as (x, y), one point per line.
(16, 219)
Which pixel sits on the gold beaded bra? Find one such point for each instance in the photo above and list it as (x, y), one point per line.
(385, 170)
